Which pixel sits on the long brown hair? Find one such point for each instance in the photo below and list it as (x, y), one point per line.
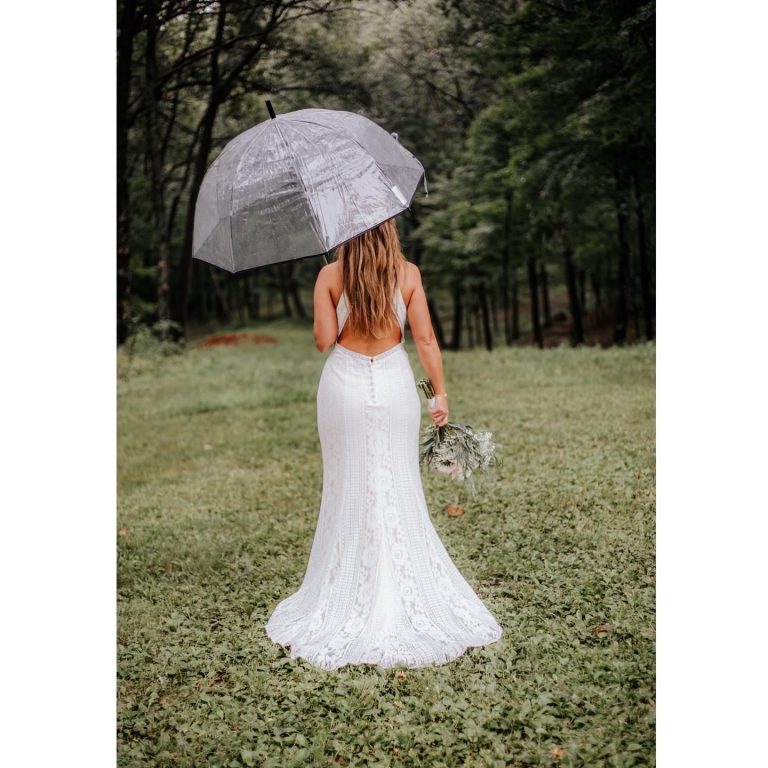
(369, 265)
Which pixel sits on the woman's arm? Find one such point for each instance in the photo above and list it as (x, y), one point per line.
(325, 327)
(426, 345)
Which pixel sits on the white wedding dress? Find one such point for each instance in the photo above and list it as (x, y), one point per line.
(380, 587)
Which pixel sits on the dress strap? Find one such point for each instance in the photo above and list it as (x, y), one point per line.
(342, 311)
(401, 311)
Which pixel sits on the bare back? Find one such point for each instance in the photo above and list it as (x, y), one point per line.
(368, 345)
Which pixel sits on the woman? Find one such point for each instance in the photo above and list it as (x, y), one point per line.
(380, 587)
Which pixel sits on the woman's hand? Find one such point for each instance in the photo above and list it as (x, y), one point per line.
(439, 413)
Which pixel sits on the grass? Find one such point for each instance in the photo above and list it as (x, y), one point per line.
(220, 478)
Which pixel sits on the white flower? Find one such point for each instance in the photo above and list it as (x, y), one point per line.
(390, 516)
(420, 623)
(450, 468)
(355, 624)
(398, 553)
(461, 473)
(365, 591)
(407, 588)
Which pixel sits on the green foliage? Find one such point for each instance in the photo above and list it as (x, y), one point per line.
(148, 342)
(220, 477)
(568, 120)
(549, 102)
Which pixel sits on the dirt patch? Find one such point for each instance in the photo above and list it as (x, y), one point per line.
(231, 339)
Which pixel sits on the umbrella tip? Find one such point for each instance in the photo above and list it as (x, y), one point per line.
(270, 110)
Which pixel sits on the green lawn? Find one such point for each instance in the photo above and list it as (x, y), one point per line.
(220, 480)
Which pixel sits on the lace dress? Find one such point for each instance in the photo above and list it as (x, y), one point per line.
(380, 587)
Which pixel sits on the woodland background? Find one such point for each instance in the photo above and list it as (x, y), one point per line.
(535, 124)
(534, 121)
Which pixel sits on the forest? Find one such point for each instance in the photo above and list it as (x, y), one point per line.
(535, 122)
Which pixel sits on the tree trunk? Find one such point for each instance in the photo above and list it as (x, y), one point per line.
(284, 277)
(544, 279)
(596, 289)
(582, 275)
(221, 87)
(173, 213)
(469, 317)
(295, 292)
(158, 239)
(254, 307)
(577, 331)
(243, 285)
(492, 302)
(222, 305)
(622, 220)
(515, 308)
(645, 277)
(533, 290)
(205, 311)
(415, 249)
(124, 62)
(201, 165)
(486, 320)
(230, 290)
(457, 317)
(236, 300)
(636, 312)
(511, 331)
(203, 290)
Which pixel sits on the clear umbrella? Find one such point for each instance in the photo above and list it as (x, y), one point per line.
(300, 184)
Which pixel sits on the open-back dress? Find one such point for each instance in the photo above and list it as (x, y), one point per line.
(380, 587)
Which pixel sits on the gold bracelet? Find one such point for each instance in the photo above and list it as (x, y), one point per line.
(442, 394)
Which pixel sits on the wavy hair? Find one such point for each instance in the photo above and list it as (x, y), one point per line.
(369, 275)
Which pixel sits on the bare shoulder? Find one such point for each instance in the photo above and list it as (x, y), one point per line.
(413, 274)
(329, 281)
(412, 281)
(327, 270)
(327, 273)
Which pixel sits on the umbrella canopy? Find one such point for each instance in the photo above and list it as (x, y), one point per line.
(300, 184)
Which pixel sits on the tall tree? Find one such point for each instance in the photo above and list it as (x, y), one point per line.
(126, 33)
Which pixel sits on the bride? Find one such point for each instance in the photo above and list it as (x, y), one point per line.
(380, 587)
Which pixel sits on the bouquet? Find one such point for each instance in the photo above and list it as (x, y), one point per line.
(456, 450)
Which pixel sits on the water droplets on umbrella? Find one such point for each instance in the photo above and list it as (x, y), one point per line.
(300, 184)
